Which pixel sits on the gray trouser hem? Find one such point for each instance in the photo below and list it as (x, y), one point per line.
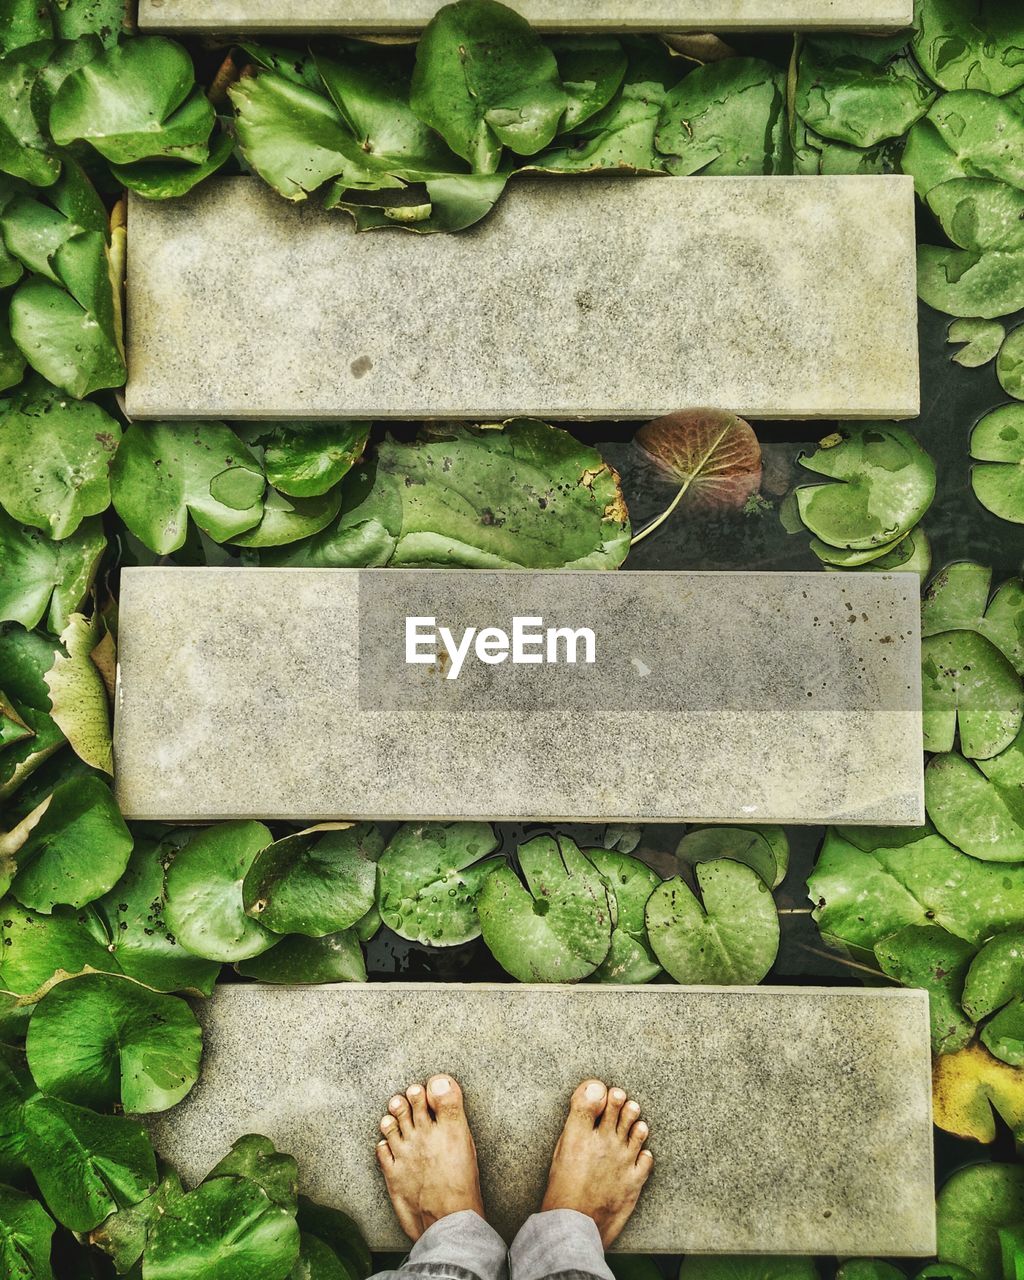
(560, 1242)
(460, 1247)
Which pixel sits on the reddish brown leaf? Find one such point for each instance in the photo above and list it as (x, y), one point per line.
(713, 455)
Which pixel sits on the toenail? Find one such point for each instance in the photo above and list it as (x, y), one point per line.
(414, 1091)
(617, 1095)
(387, 1123)
(594, 1091)
(641, 1128)
(395, 1103)
(442, 1084)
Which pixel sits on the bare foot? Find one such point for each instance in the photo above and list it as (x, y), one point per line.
(428, 1155)
(599, 1166)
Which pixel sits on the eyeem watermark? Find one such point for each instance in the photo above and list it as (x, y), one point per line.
(530, 641)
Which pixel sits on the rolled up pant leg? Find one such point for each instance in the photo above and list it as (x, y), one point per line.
(461, 1246)
(559, 1243)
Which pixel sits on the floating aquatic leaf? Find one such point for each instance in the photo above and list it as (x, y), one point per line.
(925, 955)
(103, 1040)
(286, 520)
(316, 882)
(166, 179)
(1010, 362)
(26, 1232)
(26, 150)
(883, 483)
(980, 214)
(556, 928)
(35, 947)
(726, 117)
(960, 282)
(336, 957)
(78, 695)
(630, 884)
(997, 975)
(254, 1157)
(39, 577)
(484, 80)
(763, 848)
(204, 907)
(982, 340)
(958, 598)
(972, 1207)
(339, 1233)
(1003, 1035)
(429, 880)
(123, 1236)
(307, 459)
(591, 69)
(970, 688)
(972, 811)
(997, 444)
(730, 936)
(975, 46)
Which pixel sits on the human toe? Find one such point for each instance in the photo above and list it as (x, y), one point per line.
(445, 1097)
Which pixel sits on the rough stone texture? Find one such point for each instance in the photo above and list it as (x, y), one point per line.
(785, 697)
(577, 298)
(547, 15)
(783, 1120)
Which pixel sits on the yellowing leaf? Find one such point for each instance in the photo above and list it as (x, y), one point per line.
(970, 1088)
(78, 694)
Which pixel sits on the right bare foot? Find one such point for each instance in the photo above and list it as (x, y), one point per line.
(599, 1166)
(428, 1155)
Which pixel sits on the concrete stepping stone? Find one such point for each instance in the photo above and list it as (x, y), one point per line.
(591, 299)
(289, 693)
(546, 15)
(784, 1119)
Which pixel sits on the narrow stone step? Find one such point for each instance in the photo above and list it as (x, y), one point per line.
(783, 1120)
(324, 16)
(590, 299)
(288, 693)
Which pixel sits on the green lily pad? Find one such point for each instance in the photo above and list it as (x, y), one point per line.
(976, 46)
(971, 1207)
(87, 1166)
(765, 849)
(26, 1232)
(429, 880)
(314, 883)
(36, 947)
(925, 955)
(318, 1261)
(884, 482)
(103, 1040)
(969, 687)
(730, 936)
(226, 1229)
(204, 907)
(972, 811)
(860, 90)
(843, 558)
(868, 1269)
(726, 117)
(485, 80)
(980, 214)
(958, 598)
(556, 928)
(254, 1157)
(1003, 1035)
(34, 227)
(336, 957)
(862, 896)
(452, 203)
(288, 520)
(997, 444)
(165, 472)
(630, 884)
(591, 69)
(1010, 361)
(339, 1233)
(25, 147)
(911, 554)
(960, 282)
(983, 134)
(167, 179)
(997, 975)
(981, 338)
(307, 459)
(621, 135)
(42, 578)
(136, 101)
(124, 1234)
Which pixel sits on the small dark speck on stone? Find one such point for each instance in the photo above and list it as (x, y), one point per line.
(361, 366)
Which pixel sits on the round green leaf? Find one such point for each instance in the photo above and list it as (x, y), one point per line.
(591, 69)
(630, 883)
(1010, 361)
(86, 1165)
(26, 1230)
(484, 80)
(314, 883)
(164, 472)
(54, 461)
(729, 937)
(103, 1040)
(997, 443)
(290, 519)
(764, 849)
(226, 1229)
(969, 686)
(972, 811)
(339, 1232)
(429, 880)
(997, 975)
(556, 928)
(1003, 1035)
(135, 101)
(168, 179)
(958, 599)
(960, 282)
(123, 1236)
(970, 46)
(25, 149)
(204, 907)
(42, 578)
(336, 957)
(884, 483)
(307, 459)
(925, 955)
(34, 947)
(982, 339)
(254, 1157)
(973, 1204)
(980, 214)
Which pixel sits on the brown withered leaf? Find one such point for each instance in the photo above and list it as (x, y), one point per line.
(713, 455)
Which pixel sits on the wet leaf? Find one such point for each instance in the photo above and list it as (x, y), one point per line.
(960, 282)
(972, 811)
(136, 101)
(286, 520)
(484, 80)
(1003, 1035)
(25, 147)
(429, 880)
(336, 957)
(958, 598)
(39, 577)
(35, 947)
(925, 955)
(102, 1040)
(630, 884)
(316, 882)
(555, 928)
(26, 1230)
(970, 689)
(124, 1234)
(997, 443)
(714, 456)
(765, 849)
(1010, 362)
(972, 1207)
(982, 340)
(307, 459)
(591, 69)
(882, 484)
(980, 214)
(165, 472)
(339, 1233)
(204, 907)
(996, 976)
(78, 695)
(975, 46)
(726, 117)
(254, 1157)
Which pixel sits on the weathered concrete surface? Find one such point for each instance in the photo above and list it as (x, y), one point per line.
(784, 697)
(783, 1120)
(586, 299)
(546, 15)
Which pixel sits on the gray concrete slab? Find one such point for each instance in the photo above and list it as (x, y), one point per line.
(785, 697)
(546, 15)
(783, 1120)
(578, 298)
